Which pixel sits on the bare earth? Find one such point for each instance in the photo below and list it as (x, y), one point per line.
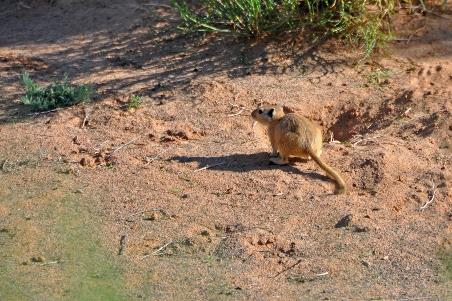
(177, 201)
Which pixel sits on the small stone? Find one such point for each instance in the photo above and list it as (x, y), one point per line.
(149, 216)
(234, 228)
(205, 233)
(386, 257)
(76, 140)
(155, 214)
(366, 263)
(344, 222)
(37, 259)
(360, 229)
(254, 239)
(86, 161)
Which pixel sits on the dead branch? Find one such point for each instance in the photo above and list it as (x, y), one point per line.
(4, 165)
(124, 145)
(150, 160)
(51, 262)
(406, 112)
(431, 199)
(332, 139)
(158, 5)
(238, 113)
(288, 268)
(44, 112)
(23, 5)
(158, 251)
(322, 274)
(208, 166)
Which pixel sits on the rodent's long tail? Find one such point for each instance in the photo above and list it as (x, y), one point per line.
(340, 184)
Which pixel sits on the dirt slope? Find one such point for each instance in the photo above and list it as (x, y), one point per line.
(182, 188)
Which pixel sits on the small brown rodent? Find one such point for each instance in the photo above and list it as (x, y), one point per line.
(292, 135)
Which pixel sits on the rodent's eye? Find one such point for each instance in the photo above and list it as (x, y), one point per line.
(260, 111)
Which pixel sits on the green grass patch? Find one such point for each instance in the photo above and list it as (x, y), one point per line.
(378, 76)
(57, 252)
(134, 102)
(445, 257)
(57, 94)
(362, 22)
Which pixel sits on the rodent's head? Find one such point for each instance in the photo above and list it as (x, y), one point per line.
(267, 114)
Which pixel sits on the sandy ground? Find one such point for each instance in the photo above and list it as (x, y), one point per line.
(177, 201)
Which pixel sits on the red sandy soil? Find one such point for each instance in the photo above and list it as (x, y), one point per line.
(192, 187)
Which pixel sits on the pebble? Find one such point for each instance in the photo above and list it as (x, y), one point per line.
(344, 222)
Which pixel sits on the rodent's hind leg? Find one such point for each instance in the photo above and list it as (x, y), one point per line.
(305, 157)
(280, 160)
(274, 153)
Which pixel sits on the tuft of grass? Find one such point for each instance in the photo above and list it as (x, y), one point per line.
(378, 76)
(445, 257)
(57, 94)
(134, 102)
(363, 22)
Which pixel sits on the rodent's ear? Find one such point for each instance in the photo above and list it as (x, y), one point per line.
(271, 112)
(288, 110)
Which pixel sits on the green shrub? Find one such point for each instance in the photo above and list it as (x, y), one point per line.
(134, 102)
(360, 21)
(57, 94)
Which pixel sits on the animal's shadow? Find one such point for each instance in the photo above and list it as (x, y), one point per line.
(246, 163)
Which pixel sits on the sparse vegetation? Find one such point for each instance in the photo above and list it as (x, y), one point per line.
(57, 94)
(445, 257)
(134, 102)
(378, 76)
(359, 21)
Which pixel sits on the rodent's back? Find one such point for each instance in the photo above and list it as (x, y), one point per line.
(295, 131)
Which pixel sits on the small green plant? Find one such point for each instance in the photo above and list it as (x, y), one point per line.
(378, 76)
(57, 94)
(134, 102)
(360, 21)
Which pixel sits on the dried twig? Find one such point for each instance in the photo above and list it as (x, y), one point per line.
(238, 113)
(158, 5)
(124, 145)
(208, 166)
(44, 112)
(322, 274)
(365, 139)
(23, 5)
(410, 37)
(406, 112)
(431, 199)
(288, 268)
(4, 165)
(150, 160)
(158, 251)
(234, 105)
(332, 139)
(51, 262)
